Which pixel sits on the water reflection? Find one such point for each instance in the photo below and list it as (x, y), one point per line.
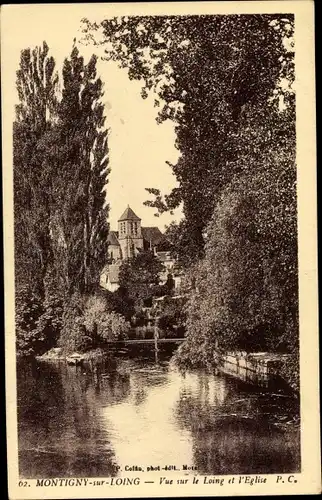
(59, 427)
(235, 430)
(89, 421)
(147, 433)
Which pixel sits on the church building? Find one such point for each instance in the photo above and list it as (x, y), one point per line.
(128, 241)
(131, 237)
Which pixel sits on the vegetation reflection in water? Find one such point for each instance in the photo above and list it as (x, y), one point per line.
(94, 421)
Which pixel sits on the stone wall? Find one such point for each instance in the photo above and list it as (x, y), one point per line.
(257, 368)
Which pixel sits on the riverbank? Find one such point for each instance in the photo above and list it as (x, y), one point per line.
(57, 354)
(264, 369)
(267, 370)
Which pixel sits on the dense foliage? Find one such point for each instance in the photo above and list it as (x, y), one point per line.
(38, 318)
(245, 288)
(172, 316)
(36, 86)
(204, 71)
(79, 213)
(226, 83)
(88, 323)
(139, 278)
(28, 311)
(60, 174)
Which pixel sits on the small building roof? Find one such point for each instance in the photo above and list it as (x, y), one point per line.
(128, 214)
(112, 238)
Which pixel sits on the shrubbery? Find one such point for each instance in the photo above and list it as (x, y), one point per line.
(28, 311)
(38, 321)
(172, 317)
(245, 289)
(78, 324)
(88, 323)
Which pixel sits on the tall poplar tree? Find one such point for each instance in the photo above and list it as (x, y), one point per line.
(60, 174)
(36, 85)
(37, 311)
(79, 220)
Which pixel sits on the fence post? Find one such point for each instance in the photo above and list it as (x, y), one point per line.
(156, 336)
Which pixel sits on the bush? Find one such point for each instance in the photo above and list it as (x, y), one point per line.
(88, 323)
(27, 313)
(103, 324)
(38, 321)
(138, 278)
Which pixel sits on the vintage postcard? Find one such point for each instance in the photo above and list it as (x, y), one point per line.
(160, 246)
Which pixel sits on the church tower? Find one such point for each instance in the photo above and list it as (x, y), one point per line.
(130, 234)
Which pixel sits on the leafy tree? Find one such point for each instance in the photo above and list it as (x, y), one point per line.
(118, 301)
(203, 71)
(139, 277)
(36, 86)
(60, 176)
(98, 210)
(172, 316)
(79, 220)
(178, 240)
(103, 324)
(246, 287)
(88, 323)
(51, 321)
(38, 313)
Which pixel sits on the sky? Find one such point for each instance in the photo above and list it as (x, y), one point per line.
(138, 146)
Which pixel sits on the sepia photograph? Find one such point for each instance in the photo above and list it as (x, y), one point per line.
(153, 251)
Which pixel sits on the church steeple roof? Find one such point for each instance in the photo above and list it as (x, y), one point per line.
(128, 215)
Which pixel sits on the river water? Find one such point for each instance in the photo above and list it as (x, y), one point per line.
(130, 411)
